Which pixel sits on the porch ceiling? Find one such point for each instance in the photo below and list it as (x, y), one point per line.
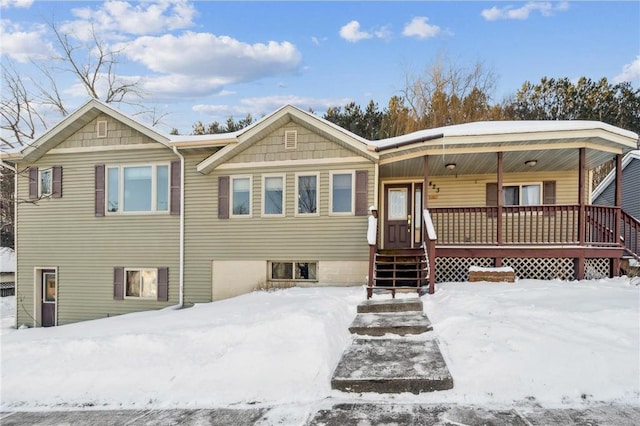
(485, 163)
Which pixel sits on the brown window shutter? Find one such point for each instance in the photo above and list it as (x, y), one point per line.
(163, 284)
(223, 197)
(118, 283)
(492, 197)
(33, 182)
(175, 187)
(362, 182)
(56, 191)
(99, 190)
(548, 193)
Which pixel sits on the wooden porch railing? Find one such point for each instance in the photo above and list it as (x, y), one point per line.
(536, 225)
(630, 235)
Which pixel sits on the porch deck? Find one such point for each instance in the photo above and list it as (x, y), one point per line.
(540, 242)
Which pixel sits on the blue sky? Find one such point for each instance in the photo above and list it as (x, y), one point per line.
(209, 60)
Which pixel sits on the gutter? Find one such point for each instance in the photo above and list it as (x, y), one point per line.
(181, 297)
(409, 142)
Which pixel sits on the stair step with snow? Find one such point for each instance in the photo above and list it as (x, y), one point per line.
(393, 305)
(392, 366)
(400, 323)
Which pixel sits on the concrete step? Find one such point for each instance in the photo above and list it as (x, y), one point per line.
(392, 366)
(381, 323)
(393, 305)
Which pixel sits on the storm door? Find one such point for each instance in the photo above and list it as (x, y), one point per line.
(49, 293)
(397, 220)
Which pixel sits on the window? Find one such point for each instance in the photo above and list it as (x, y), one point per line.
(132, 189)
(307, 194)
(101, 129)
(521, 195)
(300, 271)
(241, 196)
(273, 195)
(141, 283)
(46, 181)
(342, 192)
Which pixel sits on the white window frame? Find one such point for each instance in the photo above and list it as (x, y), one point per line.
(353, 192)
(231, 179)
(154, 188)
(317, 213)
(284, 194)
(124, 290)
(520, 185)
(293, 271)
(41, 173)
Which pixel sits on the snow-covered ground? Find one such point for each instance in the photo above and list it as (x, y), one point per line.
(547, 342)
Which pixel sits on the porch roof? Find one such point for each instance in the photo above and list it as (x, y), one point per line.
(472, 147)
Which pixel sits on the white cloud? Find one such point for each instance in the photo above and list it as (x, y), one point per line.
(220, 59)
(418, 27)
(24, 46)
(351, 32)
(630, 72)
(521, 13)
(24, 4)
(383, 32)
(113, 19)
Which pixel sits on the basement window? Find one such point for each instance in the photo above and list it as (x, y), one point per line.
(298, 271)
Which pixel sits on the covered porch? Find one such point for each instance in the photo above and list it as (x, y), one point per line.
(503, 198)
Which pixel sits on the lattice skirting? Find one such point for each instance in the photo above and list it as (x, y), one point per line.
(456, 269)
(596, 268)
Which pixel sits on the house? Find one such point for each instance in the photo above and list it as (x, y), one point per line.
(605, 195)
(7, 271)
(123, 218)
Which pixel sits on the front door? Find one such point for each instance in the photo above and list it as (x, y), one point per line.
(48, 298)
(397, 220)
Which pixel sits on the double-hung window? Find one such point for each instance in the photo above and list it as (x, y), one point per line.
(522, 195)
(135, 189)
(342, 193)
(241, 196)
(46, 182)
(307, 194)
(273, 203)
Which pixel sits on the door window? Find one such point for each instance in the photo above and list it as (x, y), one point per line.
(397, 204)
(49, 287)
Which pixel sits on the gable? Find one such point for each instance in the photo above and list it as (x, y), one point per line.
(117, 133)
(310, 146)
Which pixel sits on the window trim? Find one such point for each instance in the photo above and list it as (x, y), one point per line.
(297, 177)
(102, 129)
(520, 185)
(124, 290)
(241, 216)
(293, 271)
(332, 173)
(41, 172)
(154, 188)
(284, 194)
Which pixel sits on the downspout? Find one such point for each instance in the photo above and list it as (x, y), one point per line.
(181, 297)
(15, 232)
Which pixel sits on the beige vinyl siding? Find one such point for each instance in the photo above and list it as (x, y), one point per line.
(65, 233)
(470, 190)
(117, 134)
(315, 238)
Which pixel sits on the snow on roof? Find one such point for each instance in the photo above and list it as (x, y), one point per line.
(612, 174)
(7, 260)
(482, 128)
